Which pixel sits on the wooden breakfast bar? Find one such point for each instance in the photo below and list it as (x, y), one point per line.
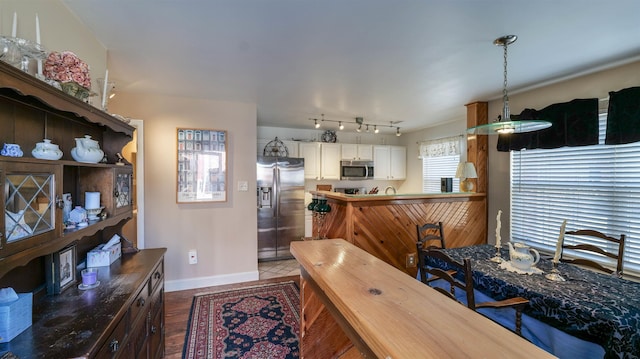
(355, 305)
(385, 225)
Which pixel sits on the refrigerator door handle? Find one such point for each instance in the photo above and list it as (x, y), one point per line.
(276, 192)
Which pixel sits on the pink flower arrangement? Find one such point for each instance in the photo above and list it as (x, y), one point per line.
(67, 67)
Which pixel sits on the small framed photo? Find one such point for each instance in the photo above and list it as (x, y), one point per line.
(61, 270)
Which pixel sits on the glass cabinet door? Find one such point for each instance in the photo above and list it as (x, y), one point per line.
(29, 205)
(123, 191)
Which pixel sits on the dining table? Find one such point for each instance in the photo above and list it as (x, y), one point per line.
(591, 306)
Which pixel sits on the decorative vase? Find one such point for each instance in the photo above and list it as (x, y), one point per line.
(75, 90)
(313, 203)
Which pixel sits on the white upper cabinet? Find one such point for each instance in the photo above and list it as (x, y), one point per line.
(390, 162)
(321, 160)
(310, 151)
(354, 152)
(330, 159)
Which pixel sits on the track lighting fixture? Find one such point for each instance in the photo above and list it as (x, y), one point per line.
(360, 124)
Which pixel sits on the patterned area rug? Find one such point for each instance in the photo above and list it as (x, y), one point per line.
(254, 322)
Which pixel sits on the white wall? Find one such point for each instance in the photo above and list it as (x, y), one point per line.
(224, 234)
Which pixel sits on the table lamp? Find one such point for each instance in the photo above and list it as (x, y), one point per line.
(465, 171)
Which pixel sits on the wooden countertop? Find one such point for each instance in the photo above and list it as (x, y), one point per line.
(396, 316)
(397, 197)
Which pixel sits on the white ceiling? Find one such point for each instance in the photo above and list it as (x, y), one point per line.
(416, 62)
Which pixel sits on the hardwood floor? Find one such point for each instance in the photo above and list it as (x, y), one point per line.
(177, 308)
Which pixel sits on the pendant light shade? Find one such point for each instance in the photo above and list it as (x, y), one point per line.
(504, 124)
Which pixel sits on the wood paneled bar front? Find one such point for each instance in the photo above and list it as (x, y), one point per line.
(385, 226)
(357, 306)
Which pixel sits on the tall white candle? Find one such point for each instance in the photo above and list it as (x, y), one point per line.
(37, 30)
(498, 225)
(556, 257)
(14, 26)
(39, 61)
(104, 89)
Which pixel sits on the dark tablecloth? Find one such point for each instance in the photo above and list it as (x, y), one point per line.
(596, 307)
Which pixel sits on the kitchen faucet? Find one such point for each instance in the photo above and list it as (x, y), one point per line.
(386, 190)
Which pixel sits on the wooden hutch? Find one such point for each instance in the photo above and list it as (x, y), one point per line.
(124, 315)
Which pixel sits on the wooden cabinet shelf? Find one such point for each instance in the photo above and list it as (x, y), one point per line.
(105, 320)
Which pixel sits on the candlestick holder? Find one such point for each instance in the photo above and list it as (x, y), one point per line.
(497, 258)
(18, 52)
(555, 274)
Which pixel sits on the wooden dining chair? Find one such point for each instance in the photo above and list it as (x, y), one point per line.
(427, 234)
(593, 249)
(464, 270)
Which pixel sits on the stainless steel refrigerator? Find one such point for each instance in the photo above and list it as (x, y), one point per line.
(280, 195)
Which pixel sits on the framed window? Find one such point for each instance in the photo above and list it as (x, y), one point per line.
(202, 166)
(440, 159)
(593, 187)
(435, 168)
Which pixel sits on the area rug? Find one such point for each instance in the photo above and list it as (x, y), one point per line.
(261, 321)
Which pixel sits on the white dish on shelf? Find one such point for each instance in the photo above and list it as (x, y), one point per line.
(90, 286)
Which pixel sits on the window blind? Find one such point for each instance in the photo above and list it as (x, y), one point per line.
(434, 168)
(593, 187)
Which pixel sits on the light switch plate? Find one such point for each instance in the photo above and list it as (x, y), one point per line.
(243, 186)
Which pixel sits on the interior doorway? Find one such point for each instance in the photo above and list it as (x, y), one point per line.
(133, 152)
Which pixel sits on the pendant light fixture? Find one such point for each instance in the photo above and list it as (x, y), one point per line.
(504, 124)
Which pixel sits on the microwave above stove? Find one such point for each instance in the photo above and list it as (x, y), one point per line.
(356, 170)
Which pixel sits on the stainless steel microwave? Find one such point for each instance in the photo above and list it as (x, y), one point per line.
(356, 170)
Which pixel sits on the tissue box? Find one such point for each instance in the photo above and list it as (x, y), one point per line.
(15, 316)
(99, 257)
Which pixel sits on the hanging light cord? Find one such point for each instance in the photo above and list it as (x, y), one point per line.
(506, 114)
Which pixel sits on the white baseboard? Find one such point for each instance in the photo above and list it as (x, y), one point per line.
(201, 282)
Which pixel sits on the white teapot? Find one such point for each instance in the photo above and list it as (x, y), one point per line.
(87, 150)
(523, 257)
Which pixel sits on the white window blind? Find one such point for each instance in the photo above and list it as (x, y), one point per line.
(440, 158)
(434, 168)
(593, 187)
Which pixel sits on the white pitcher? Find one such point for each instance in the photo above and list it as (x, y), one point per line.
(523, 257)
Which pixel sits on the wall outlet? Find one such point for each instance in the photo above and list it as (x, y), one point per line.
(411, 260)
(193, 257)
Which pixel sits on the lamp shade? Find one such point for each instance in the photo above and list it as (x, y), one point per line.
(466, 170)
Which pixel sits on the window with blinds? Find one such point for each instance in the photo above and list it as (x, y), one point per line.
(593, 187)
(435, 168)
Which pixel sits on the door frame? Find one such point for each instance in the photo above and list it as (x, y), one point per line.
(139, 125)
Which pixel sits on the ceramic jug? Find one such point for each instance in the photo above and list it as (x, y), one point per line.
(87, 150)
(523, 257)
